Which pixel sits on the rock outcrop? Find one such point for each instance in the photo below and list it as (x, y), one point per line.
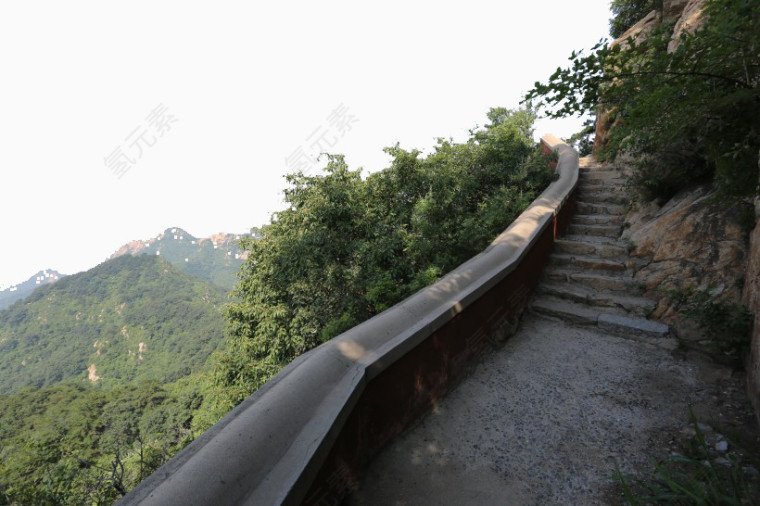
(689, 19)
(686, 16)
(694, 241)
(751, 298)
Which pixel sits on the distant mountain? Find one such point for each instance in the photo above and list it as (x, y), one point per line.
(215, 259)
(128, 319)
(21, 290)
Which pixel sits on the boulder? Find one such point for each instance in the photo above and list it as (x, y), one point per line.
(690, 19)
(672, 9)
(687, 15)
(693, 241)
(642, 28)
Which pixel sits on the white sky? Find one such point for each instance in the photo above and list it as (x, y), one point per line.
(246, 84)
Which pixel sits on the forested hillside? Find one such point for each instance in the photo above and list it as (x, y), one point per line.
(128, 319)
(73, 443)
(118, 353)
(103, 371)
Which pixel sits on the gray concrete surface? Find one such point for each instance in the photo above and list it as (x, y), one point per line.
(543, 420)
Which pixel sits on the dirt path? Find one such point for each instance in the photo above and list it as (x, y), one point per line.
(544, 419)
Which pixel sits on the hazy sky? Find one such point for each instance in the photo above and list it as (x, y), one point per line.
(118, 120)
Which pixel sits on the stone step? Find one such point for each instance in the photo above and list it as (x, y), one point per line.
(602, 197)
(629, 325)
(611, 281)
(580, 294)
(592, 208)
(611, 185)
(588, 194)
(596, 230)
(600, 173)
(599, 178)
(592, 263)
(580, 314)
(597, 168)
(595, 239)
(571, 245)
(591, 163)
(597, 219)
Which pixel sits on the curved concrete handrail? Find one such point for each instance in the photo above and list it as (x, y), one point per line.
(271, 448)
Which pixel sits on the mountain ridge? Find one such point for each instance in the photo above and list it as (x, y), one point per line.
(23, 289)
(127, 319)
(216, 259)
(139, 246)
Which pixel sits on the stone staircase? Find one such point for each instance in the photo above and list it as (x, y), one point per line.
(589, 279)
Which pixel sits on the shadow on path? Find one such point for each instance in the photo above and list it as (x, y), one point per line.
(543, 420)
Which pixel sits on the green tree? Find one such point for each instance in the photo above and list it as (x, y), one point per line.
(347, 248)
(626, 13)
(74, 444)
(690, 113)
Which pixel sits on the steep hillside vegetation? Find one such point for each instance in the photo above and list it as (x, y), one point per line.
(72, 443)
(128, 319)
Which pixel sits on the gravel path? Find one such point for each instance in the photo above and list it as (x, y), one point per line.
(543, 420)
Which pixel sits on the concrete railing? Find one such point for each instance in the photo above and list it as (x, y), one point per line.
(305, 435)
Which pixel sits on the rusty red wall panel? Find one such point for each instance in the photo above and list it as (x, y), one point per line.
(565, 215)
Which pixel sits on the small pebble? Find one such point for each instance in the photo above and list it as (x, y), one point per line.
(723, 461)
(721, 446)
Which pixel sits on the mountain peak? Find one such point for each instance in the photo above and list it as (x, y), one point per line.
(216, 258)
(12, 293)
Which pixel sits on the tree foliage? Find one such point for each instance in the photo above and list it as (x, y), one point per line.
(67, 440)
(133, 318)
(626, 13)
(690, 113)
(77, 444)
(347, 247)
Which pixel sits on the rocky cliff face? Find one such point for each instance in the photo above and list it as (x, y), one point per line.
(752, 300)
(686, 16)
(695, 240)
